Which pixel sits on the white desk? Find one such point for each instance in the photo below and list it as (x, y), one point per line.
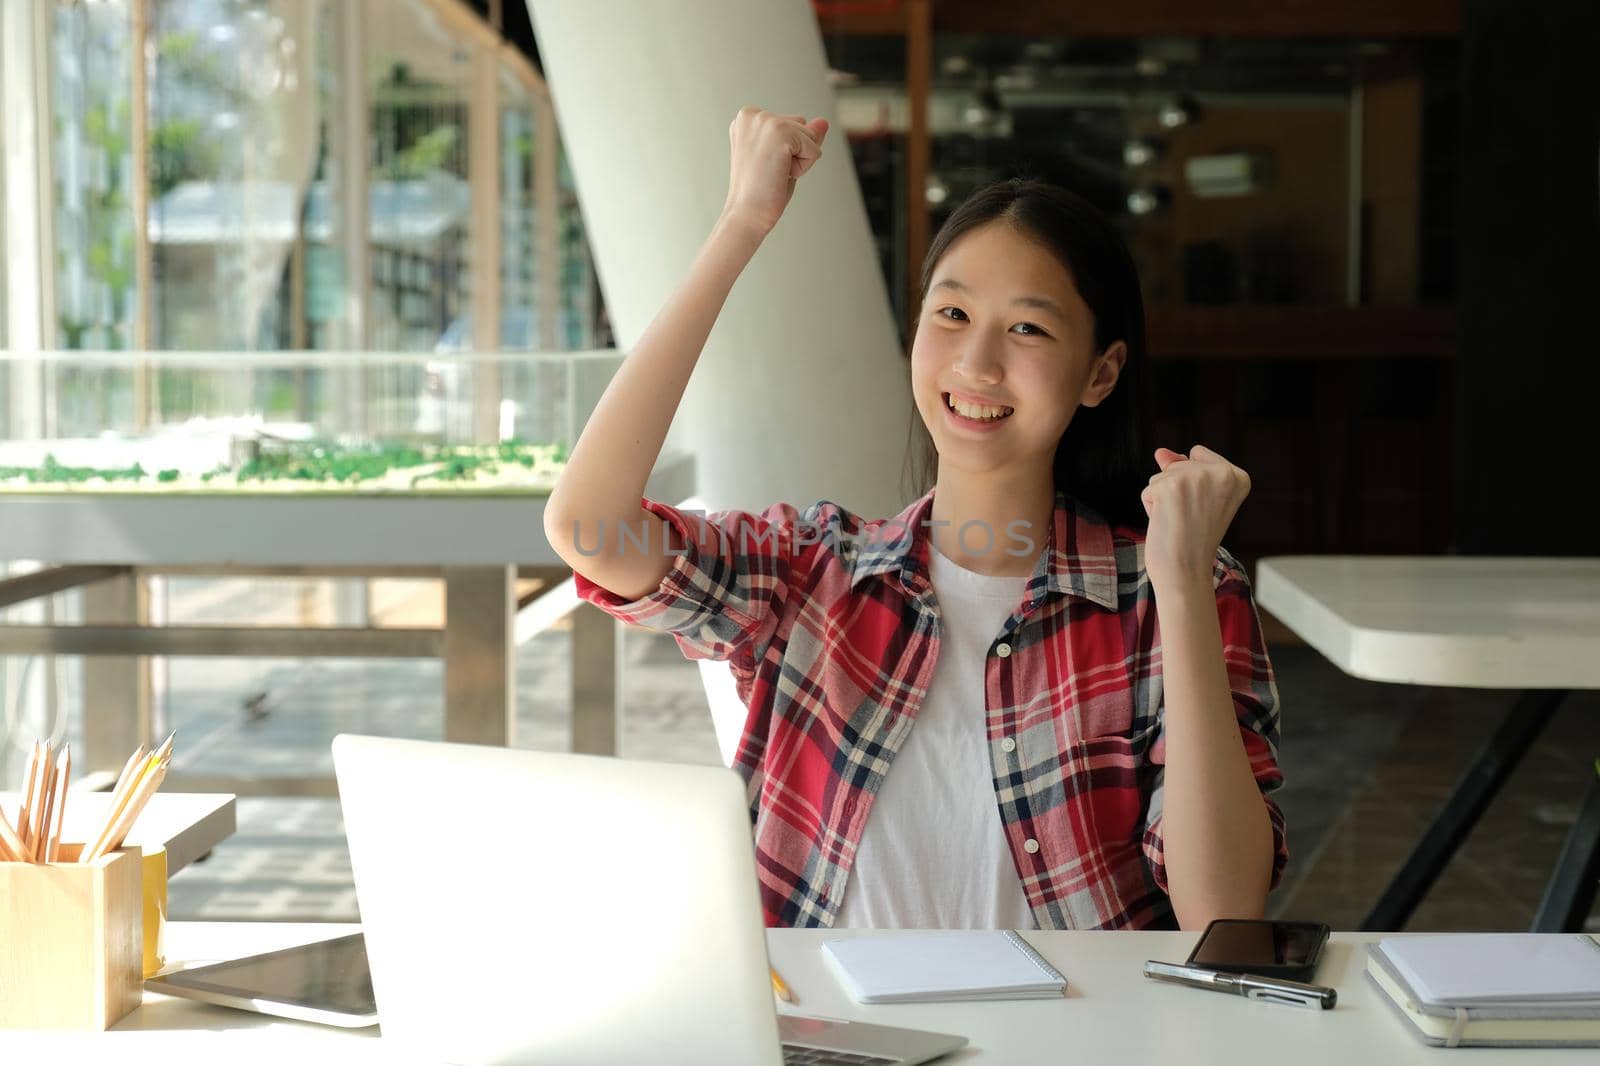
(1112, 1013)
(1493, 623)
(190, 824)
(1443, 620)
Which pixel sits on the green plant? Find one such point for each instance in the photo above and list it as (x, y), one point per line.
(425, 155)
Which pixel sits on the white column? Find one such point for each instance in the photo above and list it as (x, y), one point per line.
(354, 125)
(802, 392)
(352, 604)
(25, 37)
(483, 177)
(29, 205)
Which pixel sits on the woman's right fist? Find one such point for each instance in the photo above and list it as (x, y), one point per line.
(768, 155)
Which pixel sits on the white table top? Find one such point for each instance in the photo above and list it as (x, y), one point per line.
(1511, 623)
(1112, 1014)
(188, 823)
(288, 530)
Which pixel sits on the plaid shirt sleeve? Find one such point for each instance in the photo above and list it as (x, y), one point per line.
(732, 574)
(1255, 703)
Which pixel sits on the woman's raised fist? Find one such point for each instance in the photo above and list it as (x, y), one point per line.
(768, 155)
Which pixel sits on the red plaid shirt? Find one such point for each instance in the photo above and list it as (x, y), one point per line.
(831, 628)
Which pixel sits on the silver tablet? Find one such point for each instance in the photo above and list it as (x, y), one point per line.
(325, 982)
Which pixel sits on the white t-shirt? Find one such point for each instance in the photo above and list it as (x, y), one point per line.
(933, 854)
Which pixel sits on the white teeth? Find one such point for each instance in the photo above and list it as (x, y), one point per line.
(975, 410)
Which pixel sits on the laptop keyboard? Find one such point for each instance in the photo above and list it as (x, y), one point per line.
(795, 1055)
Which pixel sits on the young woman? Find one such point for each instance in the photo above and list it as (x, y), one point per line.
(1039, 696)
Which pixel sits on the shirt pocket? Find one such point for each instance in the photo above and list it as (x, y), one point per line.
(1106, 764)
(1107, 774)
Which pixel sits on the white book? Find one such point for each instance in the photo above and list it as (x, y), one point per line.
(1495, 1025)
(942, 967)
(1498, 969)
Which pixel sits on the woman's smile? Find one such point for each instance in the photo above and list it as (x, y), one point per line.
(974, 413)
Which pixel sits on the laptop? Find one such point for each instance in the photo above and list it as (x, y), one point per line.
(523, 906)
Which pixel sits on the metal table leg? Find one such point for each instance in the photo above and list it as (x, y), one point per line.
(1461, 811)
(595, 691)
(116, 689)
(1570, 895)
(480, 695)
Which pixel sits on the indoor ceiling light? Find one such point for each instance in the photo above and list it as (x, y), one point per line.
(984, 109)
(1142, 151)
(1148, 199)
(1181, 111)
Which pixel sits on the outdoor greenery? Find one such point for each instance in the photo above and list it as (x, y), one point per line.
(323, 461)
(52, 472)
(328, 462)
(109, 257)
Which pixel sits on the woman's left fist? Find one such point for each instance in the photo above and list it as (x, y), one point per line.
(1191, 502)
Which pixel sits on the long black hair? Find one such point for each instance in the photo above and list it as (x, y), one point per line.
(1102, 458)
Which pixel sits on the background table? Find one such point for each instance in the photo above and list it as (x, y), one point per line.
(188, 824)
(1493, 623)
(475, 543)
(1112, 1013)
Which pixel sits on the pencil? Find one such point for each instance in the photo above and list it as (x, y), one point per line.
(136, 759)
(133, 775)
(780, 988)
(52, 848)
(136, 804)
(136, 796)
(47, 802)
(25, 814)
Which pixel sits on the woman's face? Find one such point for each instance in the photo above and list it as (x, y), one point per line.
(1004, 354)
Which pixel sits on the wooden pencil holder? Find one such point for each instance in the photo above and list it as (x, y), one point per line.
(71, 941)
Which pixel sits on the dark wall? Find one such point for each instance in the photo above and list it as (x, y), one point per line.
(518, 27)
(1528, 456)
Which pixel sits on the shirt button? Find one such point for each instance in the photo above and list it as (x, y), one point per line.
(1002, 650)
(1008, 744)
(1031, 846)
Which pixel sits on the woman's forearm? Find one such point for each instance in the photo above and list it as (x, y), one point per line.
(1217, 836)
(614, 455)
(605, 475)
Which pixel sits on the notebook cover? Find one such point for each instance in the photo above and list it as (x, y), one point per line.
(1496, 969)
(1403, 1002)
(941, 967)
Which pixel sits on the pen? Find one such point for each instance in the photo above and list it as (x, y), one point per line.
(1271, 989)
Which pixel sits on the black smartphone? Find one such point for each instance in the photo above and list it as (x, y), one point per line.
(1259, 946)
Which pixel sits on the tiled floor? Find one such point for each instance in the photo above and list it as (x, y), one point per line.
(1366, 764)
(288, 859)
(1498, 876)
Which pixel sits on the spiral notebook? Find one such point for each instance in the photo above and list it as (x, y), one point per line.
(942, 968)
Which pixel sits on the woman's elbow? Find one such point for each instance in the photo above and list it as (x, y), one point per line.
(560, 529)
